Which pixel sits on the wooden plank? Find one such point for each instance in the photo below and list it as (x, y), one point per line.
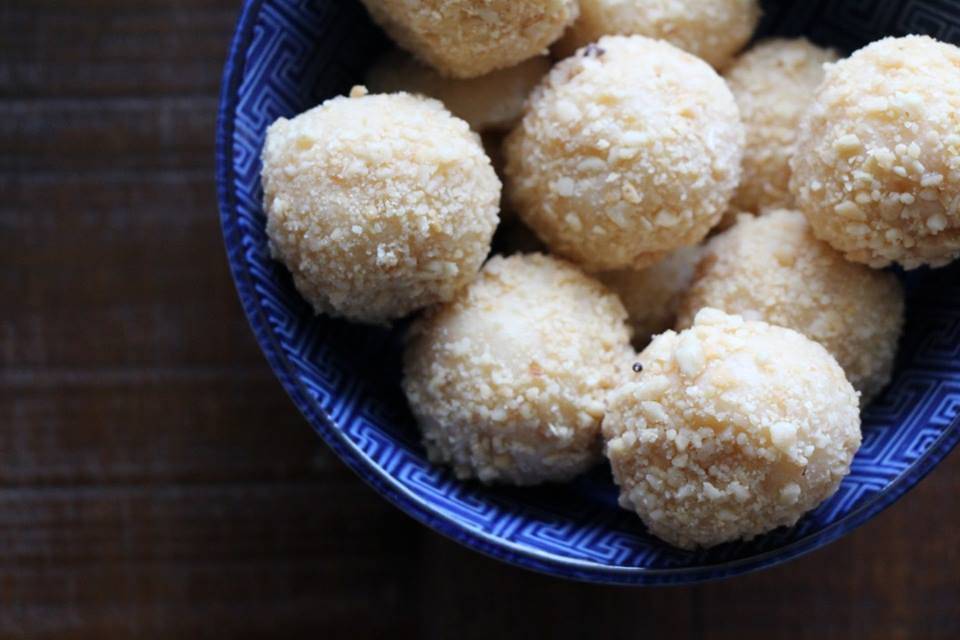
(195, 523)
(88, 135)
(81, 48)
(896, 577)
(137, 261)
(156, 482)
(155, 426)
(249, 559)
(464, 594)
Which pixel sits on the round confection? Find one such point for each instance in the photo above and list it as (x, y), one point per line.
(492, 102)
(877, 168)
(731, 429)
(652, 295)
(710, 29)
(772, 268)
(773, 83)
(508, 382)
(615, 163)
(378, 204)
(468, 38)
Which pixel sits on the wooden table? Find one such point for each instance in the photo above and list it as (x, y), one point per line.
(156, 482)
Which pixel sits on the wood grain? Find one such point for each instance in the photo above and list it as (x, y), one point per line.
(156, 482)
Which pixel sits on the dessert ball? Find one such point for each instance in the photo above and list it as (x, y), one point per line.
(652, 295)
(710, 29)
(773, 84)
(492, 102)
(732, 428)
(616, 163)
(877, 167)
(468, 38)
(509, 380)
(378, 204)
(772, 268)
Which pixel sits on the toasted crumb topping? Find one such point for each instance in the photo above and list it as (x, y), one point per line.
(732, 429)
(509, 381)
(710, 29)
(378, 204)
(615, 163)
(773, 84)
(468, 38)
(877, 168)
(774, 269)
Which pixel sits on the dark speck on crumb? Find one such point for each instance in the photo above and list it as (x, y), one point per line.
(593, 51)
(637, 367)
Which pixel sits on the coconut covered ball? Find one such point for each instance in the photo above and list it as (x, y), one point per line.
(877, 167)
(508, 382)
(773, 84)
(492, 102)
(772, 268)
(378, 204)
(652, 295)
(733, 428)
(615, 163)
(710, 29)
(468, 38)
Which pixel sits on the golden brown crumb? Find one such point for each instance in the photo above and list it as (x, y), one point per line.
(468, 38)
(378, 204)
(773, 84)
(877, 168)
(508, 382)
(772, 268)
(711, 29)
(732, 429)
(615, 163)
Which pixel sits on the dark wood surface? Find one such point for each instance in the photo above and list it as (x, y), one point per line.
(156, 482)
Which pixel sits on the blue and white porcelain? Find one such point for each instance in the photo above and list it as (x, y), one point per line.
(289, 55)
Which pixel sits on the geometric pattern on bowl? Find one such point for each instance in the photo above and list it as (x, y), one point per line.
(289, 55)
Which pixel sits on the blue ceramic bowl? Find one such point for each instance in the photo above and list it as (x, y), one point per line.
(287, 56)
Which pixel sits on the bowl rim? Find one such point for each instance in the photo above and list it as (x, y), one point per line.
(404, 499)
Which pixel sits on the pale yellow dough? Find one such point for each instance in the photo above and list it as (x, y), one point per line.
(492, 102)
(652, 295)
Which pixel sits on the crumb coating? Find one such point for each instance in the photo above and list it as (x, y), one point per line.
(714, 30)
(773, 269)
(732, 429)
(877, 168)
(508, 382)
(468, 38)
(378, 204)
(616, 163)
(773, 83)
